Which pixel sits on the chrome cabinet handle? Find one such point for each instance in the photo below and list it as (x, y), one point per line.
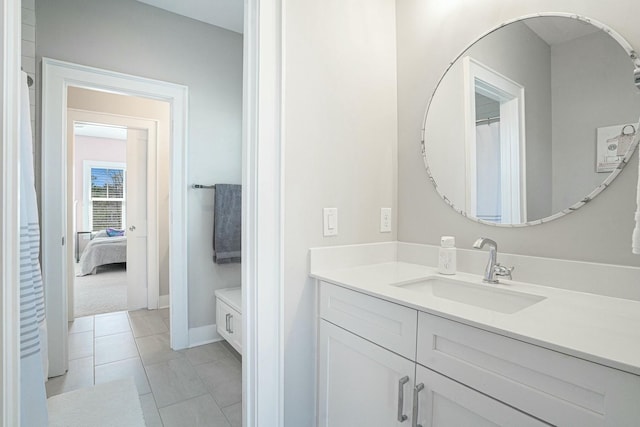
(230, 323)
(416, 391)
(227, 320)
(401, 417)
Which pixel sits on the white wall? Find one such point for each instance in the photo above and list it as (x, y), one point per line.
(592, 67)
(340, 151)
(445, 137)
(131, 37)
(28, 61)
(430, 34)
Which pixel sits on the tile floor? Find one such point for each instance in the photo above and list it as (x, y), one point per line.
(200, 386)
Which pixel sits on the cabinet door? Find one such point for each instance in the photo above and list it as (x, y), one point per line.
(235, 330)
(361, 383)
(445, 403)
(222, 310)
(229, 324)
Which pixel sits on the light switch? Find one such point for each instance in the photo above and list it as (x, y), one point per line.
(385, 220)
(330, 221)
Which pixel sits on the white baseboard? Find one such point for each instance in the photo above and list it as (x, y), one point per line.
(203, 335)
(163, 301)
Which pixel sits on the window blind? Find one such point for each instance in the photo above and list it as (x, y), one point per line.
(107, 198)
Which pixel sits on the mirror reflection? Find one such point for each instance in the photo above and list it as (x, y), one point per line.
(531, 119)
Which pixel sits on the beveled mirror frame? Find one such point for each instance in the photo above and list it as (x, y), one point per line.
(634, 58)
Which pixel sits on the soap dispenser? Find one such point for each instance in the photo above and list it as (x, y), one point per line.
(447, 256)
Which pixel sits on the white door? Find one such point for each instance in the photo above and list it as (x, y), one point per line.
(136, 218)
(361, 383)
(443, 402)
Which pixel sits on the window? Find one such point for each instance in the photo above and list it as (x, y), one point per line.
(106, 201)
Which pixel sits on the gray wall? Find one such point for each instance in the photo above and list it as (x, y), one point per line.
(131, 37)
(590, 90)
(430, 34)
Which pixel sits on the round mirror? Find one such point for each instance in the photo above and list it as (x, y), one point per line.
(533, 120)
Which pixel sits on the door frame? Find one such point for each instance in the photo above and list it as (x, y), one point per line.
(57, 76)
(263, 214)
(262, 113)
(513, 163)
(10, 48)
(152, 255)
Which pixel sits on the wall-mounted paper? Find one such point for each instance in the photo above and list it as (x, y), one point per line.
(612, 143)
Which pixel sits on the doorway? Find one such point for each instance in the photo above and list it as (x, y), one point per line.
(100, 200)
(494, 145)
(144, 215)
(118, 224)
(56, 190)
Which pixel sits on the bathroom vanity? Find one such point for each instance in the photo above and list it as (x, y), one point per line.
(503, 143)
(401, 345)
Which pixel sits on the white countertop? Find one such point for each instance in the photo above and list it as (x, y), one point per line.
(232, 296)
(600, 329)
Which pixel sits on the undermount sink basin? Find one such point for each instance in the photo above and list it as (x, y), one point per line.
(477, 295)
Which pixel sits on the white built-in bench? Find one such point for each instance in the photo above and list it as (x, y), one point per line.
(229, 316)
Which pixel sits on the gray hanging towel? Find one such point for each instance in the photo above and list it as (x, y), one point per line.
(227, 221)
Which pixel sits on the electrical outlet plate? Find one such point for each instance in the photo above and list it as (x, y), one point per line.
(385, 220)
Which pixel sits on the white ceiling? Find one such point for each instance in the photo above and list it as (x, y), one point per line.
(100, 131)
(228, 14)
(557, 29)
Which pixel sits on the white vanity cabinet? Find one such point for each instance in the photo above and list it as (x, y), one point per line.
(558, 388)
(362, 383)
(385, 364)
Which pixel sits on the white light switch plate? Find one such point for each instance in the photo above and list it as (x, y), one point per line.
(385, 220)
(330, 221)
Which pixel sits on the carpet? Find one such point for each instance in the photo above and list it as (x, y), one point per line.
(114, 404)
(105, 292)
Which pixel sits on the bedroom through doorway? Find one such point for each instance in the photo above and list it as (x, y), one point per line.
(110, 218)
(118, 212)
(100, 218)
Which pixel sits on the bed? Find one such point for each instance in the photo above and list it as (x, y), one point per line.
(102, 250)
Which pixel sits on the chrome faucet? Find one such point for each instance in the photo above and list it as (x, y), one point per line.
(493, 268)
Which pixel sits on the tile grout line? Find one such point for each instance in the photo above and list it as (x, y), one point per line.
(144, 368)
(93, 321)
(206, 387)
